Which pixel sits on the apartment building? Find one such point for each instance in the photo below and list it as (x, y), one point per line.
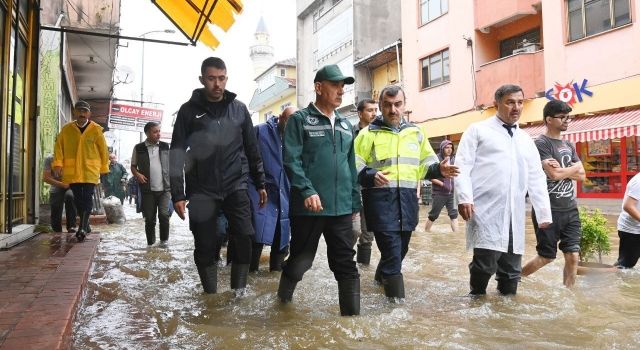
(456, 53)
(348, 32)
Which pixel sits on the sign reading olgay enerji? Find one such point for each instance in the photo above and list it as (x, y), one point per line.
(133, 118)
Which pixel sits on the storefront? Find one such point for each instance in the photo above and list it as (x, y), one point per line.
(18, 58)
(608, 145)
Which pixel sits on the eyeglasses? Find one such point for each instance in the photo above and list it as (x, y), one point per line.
(565, 118)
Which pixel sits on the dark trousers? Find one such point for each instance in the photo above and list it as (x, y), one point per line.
(393, 246)
(58, 200)
(203, 217)
(629, 250)
(152, 203)
(440, 202)
(305, 235)
(486, 262)
(83, 196)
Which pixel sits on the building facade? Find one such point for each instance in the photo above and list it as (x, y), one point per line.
(568, 50)
(275, 90)
(362, 37)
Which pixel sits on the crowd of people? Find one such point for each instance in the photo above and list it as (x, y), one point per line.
(309, 173)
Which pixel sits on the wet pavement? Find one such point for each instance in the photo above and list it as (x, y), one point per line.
(140, 297)
(41, 284)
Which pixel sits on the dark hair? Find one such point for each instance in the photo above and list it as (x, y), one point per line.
(391, 90)
(214, 62)
(554, 107)
(506, 90)
(364, 102)
(150, 125)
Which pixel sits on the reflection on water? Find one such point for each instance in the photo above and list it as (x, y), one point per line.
(150, 298)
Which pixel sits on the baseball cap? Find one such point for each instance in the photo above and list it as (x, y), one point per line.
(83, 105)
(332, 73)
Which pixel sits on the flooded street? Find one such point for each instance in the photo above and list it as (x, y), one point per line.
(151, 298)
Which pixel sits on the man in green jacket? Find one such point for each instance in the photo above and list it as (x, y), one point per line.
(113, 183)
(320, 162)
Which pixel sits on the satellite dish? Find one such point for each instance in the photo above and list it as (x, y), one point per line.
(124, 75)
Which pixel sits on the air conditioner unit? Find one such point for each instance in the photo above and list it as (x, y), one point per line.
(528, 48)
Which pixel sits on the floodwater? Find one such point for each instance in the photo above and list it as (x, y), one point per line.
(151, 298)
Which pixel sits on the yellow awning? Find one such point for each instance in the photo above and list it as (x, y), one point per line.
(192, 17)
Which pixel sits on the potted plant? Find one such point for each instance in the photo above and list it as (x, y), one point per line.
(594, 242)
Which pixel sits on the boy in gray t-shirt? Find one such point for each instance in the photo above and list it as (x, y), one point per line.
(629, 226)
(59, 195)
(562, 166)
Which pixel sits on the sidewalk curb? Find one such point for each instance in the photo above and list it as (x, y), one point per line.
(44, 304)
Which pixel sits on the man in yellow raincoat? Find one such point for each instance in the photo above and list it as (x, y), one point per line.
(80, 156)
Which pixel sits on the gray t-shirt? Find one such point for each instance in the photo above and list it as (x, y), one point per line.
(625, 222)
(47, 166)
(561, 192)
(155, 166)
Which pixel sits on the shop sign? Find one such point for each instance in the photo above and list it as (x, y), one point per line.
(132, 118)
(569, 93)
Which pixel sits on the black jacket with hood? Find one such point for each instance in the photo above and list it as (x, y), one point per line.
(447, 188)
(213, 150)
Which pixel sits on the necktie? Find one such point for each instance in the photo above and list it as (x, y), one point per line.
(509, 127)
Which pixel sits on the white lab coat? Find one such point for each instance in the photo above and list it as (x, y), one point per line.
(496, 172)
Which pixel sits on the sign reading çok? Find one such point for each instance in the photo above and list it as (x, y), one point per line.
(569, 93)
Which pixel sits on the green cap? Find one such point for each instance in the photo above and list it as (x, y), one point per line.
(332, 73)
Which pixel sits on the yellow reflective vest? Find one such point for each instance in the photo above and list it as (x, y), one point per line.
(82, 156)
(406, 156)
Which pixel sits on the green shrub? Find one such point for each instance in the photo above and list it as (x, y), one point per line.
(595, 235)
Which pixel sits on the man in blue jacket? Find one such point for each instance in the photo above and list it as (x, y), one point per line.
(271, 223)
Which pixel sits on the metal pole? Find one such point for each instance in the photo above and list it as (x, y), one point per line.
(142, 80)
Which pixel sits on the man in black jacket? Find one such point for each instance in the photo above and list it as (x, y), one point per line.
(150, 166)
(213, 151)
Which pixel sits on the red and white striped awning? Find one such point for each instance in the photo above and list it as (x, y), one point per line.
(598, 127)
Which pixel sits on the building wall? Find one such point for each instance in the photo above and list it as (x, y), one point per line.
(601, 58)
(276, 107)
(421, 41)
(91, 14)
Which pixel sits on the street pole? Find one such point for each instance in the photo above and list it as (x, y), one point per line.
(142, 66)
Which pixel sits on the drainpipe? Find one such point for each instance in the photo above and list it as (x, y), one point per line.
(398, 60)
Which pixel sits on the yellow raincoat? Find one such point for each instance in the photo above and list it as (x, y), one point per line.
(82, 156)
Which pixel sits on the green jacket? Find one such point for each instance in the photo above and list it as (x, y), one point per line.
(319, 160)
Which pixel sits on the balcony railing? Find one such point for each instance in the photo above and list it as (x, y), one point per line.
(524, 69)
(495, 13)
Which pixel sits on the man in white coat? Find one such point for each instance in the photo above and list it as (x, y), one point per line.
(499, 164)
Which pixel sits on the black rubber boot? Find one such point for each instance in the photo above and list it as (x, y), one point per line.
(286, 288)
(256, 253)
(478, 283)
(364, 254)
(378, 276)
(508, 287)
(349, 296)
(209, 278)
(82, 229)
(239, 274)
(394, 286)
(275, 261)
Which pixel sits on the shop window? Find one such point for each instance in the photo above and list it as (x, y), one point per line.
(16, 137)
(435, 69)
(432, 9)
(602, 163)
(590, 17)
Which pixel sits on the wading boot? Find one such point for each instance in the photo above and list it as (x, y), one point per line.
(256, 253)
(286, 288)
(394, 288)
(478, 283)
(275, 261)
(239, 273)
(508, 287)
(378, 276)
(209, 278)
(364, 254)
(81, 233)
(349, 297)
